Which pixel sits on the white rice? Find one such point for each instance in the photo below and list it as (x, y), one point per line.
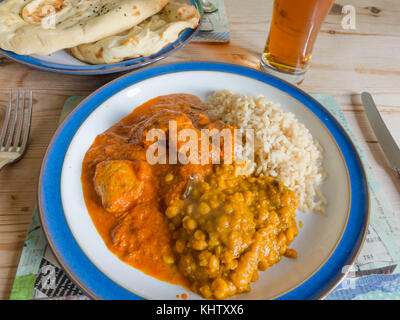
(283, 147)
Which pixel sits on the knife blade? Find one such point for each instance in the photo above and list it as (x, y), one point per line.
(385, 139)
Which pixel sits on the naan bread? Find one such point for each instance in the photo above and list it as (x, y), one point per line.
(46, 26)
(144, 39)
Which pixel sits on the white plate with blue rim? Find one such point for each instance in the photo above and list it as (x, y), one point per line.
(326, 244)
(63, 62)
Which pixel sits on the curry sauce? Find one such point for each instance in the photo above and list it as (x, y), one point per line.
(140, 235)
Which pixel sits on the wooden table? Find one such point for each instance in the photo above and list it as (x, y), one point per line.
(345, 63)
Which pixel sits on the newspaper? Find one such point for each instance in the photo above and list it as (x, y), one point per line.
(39, 275)
(376, 272)
(214, 26)
(375, 275)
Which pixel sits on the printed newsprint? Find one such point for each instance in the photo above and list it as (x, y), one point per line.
(214, 26)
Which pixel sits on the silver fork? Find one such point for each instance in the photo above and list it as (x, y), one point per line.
(15, 132)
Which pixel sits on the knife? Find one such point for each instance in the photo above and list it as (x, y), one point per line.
(385, 139)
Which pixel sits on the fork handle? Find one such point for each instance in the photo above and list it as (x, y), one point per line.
(4, 162)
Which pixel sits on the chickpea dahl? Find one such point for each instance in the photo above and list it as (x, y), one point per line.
(229, 228)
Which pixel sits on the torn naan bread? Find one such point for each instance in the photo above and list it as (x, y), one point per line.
(46, 26)
(145, 39)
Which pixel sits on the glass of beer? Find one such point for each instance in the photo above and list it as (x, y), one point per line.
(294, 27)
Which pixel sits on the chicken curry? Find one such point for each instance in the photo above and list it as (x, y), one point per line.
(202, 226)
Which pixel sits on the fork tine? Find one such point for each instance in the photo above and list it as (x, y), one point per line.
(6, 120)
(20, 123)
(28, 125)
(12, 129)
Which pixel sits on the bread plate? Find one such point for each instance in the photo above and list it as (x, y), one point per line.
(64, 62)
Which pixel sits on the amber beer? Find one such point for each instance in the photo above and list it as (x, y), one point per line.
(294, 27)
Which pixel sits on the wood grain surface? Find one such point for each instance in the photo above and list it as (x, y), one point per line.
(344, 63)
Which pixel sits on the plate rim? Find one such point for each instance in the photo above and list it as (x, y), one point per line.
(118, 85)
(129, 64)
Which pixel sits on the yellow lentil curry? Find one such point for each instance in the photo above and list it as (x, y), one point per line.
(200, 226)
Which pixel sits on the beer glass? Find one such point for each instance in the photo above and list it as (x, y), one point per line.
(294, 27)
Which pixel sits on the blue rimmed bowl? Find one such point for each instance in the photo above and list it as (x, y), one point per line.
(326, 245)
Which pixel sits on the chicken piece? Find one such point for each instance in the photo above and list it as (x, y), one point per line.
(119, 183)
